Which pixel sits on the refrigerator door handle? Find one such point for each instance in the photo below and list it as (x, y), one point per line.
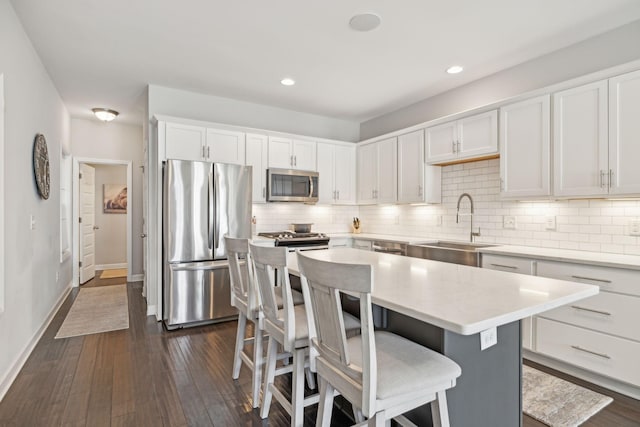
(216, 231)
(210, 208)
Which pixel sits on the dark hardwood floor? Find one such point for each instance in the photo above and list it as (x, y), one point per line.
(147, 376)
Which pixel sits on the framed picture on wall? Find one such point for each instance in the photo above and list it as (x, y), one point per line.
(115, 198)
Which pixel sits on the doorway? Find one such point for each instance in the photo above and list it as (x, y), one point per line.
(103, 217)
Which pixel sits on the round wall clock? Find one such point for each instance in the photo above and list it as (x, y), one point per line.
(41, 165)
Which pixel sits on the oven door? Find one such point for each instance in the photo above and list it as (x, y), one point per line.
(287, 185)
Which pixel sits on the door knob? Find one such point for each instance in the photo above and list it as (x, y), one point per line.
(143, 235)
(95, 227)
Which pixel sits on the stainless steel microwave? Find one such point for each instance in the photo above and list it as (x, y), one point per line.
(287, 185)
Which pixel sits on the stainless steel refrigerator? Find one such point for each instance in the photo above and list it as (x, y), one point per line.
(201, 203)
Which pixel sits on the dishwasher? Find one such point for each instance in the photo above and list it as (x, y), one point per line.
(386, 247)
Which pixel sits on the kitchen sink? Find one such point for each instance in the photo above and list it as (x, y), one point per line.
(464, 253)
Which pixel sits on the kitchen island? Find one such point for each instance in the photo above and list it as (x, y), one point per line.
(446, 307)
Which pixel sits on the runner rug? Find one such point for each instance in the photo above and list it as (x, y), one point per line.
(96, 310)
(556, 402)
(115, 272)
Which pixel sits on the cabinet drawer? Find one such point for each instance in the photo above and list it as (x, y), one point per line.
(505, 263)
(606, 312)
(609, 279)
(603, 354)
(362, 244)
(339, 243)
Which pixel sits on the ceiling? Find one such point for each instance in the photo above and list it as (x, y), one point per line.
(104, 53)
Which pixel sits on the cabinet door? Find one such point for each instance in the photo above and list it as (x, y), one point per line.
(304, 155)
(327, 190)
(478, 135)
(185, 142)
(580, 141)
(441, 142)
(280, 155)
(367, 173)
(387, 187)
(411, 167)
(344, 174)
(225, 146)
(257, 147)
(525, 148)
(624, 133)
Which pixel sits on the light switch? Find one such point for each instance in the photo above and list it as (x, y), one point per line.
(488, 338)
(32, 219)
(634, 227)
(509, 222)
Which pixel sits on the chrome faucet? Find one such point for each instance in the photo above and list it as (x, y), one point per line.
(472, 234)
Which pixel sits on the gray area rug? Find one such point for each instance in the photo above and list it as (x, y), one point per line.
(96, 310)
(556, 402)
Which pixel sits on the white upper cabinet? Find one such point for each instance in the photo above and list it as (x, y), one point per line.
(257, 152)
(185, 142)
(471, 137)
(417, 182)
(624, 133)
(378, 172)
(525, 148)
(580, 141)
(286, 153)
(225, 146)
(336, 166)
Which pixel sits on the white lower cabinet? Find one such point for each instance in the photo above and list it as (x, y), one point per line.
(340, 242)
(602, 353)
(364, 245)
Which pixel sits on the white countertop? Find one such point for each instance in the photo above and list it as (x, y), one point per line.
(383, 237)
(566, 255)
(464, 300)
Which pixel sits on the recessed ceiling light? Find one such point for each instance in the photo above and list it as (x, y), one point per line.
(105, 114)
(288, 81)
(454, 69)
(364, 22)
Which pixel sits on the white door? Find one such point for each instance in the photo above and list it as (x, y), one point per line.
(624, 133)
(525, 148)
(387, 171)
(280, 153)
(257, 158)
(344, 174)
(478, 135)
(580, 143)
(143, 236)
(367, 173)
(441, 142)
(304, 155)
(327, 190)
(225, 146)
(185, 142)
(411, 167)
(87, 221)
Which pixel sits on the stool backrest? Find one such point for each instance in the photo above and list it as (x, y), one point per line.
(270, 266)
(322, 282)
(243, 289)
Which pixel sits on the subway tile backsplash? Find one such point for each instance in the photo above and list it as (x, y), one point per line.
(590, 225)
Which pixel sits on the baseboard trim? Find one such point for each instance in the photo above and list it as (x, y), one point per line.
(137, 278)
(13, 372)
(151, 310)
(111, 266)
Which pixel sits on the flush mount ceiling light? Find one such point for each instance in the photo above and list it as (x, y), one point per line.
(288, 81)
(454, 69)
(364, 22)
(105, 114)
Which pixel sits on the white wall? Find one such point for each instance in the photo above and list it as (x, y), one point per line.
(616, 47)
(191, 105)
(115, 141)
(111, 236)
(590, 225)
(32, 257)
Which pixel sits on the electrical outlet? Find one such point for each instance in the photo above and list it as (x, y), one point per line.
(509, 222)
(488, 338)
(33, 222)
(634, 227)
(57, 276)
(550, 222)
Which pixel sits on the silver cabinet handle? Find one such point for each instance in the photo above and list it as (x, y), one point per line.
(595, 353)
(453, 146)
(291, 160)
(143, 235)
(610, 178)
(458, 146)
(592, 279)
(208, 152)
(602, 182)
(264, 192)
(591, 310)
(334, 194)
(295, 160)
(504, 266)
(338, 194)
(204, 156)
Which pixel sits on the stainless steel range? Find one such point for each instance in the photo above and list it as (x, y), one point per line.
(301, 241)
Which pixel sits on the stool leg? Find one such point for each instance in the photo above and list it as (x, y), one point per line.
(325, 405)
(311, 380)
(439, 411)
(237, 361)
(270, 370)
(297, 388)
(258, 361)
